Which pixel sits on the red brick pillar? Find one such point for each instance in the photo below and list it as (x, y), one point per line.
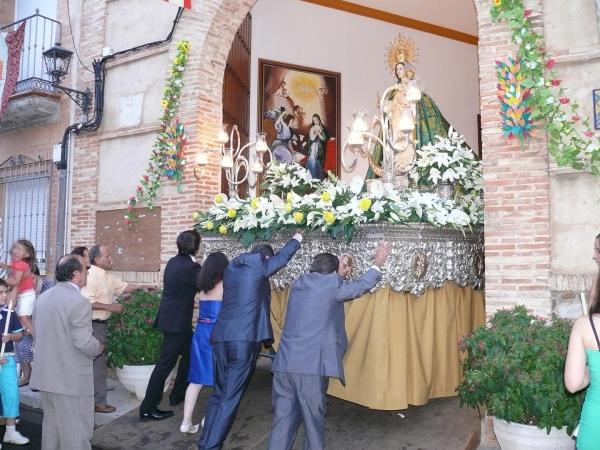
(516, 189)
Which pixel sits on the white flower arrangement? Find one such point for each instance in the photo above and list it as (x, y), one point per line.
(332, 207)
(447, 160)
(282, 178)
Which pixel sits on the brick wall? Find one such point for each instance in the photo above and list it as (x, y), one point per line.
(516, 181)
(210, 28)
(516, 187)
(7, 12)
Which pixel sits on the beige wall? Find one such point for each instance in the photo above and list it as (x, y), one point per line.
(356, 47)
(572, 33)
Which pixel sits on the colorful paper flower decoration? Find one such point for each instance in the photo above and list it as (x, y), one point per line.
(516, 111)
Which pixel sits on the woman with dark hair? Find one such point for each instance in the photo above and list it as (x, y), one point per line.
(582, 367)
(210, 285)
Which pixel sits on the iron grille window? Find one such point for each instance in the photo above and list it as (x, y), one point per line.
(25, 199)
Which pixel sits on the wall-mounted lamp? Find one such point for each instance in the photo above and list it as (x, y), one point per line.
(58, 60)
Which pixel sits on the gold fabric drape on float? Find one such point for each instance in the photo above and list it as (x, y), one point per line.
(402, 349)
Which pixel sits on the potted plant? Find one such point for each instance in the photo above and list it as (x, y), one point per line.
(133, 345)
(514, 369)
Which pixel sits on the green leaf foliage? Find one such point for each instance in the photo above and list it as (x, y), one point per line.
(514, 368)
(132, 338)
(571, 141)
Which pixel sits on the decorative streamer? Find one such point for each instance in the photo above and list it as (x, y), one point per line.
(516, 110)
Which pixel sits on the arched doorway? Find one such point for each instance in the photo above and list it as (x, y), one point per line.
(223, 18)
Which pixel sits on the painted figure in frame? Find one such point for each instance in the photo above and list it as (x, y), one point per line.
(317, 137)
(300, 114)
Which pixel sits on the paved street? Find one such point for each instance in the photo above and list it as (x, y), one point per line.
(439, 425)
(30, 426)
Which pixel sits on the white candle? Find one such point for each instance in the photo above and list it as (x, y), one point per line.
(227, 162)
(202, 159)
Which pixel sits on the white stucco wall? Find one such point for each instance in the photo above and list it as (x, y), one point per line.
(133, 92)
(136, 22)
(117, 180)
(305, 34)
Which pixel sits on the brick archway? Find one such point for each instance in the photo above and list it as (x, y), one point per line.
(517, 243)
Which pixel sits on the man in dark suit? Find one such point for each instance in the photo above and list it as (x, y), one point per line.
(313, 343)
(242, 326)
(174, 319)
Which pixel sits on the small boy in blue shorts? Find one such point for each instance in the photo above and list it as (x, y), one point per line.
(9, 389)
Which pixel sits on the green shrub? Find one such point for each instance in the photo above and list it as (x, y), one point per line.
(132, 339)
(514, 368)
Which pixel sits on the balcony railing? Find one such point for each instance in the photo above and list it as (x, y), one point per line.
(41, 33)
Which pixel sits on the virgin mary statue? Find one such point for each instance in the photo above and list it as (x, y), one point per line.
(429, 121)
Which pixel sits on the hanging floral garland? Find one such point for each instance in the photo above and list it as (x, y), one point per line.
(570, 139)
(167, 157)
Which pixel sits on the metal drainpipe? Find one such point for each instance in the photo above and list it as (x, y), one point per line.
(91, 125)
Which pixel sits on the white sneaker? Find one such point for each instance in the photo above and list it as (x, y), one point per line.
(14, 437)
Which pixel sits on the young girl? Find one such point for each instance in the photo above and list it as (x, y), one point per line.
(9, 391)
(22, 267)
(210, 285)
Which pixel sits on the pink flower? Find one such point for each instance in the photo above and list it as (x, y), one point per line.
(527, 13)
(555, 83)
(139, 189)
(550, 63)
(146, 177)
(575, 118)
(564, 101)
(127, 222)
(589, 134)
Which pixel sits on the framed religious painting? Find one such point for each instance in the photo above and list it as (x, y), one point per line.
(299, 110)
(596, 98)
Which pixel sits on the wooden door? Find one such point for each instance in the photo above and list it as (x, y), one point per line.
(236, 91)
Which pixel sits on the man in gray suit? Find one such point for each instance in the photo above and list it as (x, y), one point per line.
(312, 346)
(64, 355)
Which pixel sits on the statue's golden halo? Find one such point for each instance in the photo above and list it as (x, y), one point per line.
(401, 49)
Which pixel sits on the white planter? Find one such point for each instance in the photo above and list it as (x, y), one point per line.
(135, 379)
(516, 436)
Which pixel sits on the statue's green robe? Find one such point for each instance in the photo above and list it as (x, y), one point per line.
(429, 123)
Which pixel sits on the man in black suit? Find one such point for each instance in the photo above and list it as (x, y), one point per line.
(174, 319)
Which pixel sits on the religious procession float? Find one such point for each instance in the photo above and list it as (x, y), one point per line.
(423, 195)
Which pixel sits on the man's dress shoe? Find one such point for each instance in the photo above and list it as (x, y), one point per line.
(155, 414)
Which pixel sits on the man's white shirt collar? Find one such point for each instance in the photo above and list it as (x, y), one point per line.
(75, 286)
